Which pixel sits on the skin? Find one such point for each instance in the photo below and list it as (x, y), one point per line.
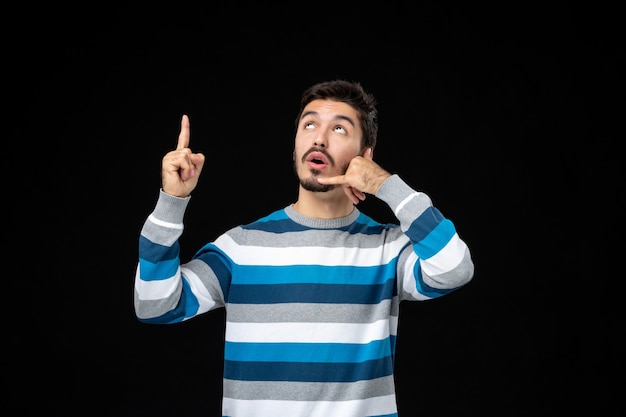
(181, 168)
(335, 173)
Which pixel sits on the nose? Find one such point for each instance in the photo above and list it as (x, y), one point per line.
(321, 141)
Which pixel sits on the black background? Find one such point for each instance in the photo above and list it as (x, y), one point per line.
(508, 116)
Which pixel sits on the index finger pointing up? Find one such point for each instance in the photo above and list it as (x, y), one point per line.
(183, 136)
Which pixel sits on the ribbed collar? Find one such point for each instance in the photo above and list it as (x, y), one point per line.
(321, 223)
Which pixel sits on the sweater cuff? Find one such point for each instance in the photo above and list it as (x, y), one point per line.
(170, 208)
(399, 195)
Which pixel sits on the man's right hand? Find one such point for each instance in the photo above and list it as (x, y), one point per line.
(181, 168)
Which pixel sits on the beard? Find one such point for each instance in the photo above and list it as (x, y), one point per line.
(310, 183)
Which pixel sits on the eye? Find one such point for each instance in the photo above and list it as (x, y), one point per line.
(340, 129)
(309, 125)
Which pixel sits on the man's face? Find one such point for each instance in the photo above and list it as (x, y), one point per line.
(328, 137)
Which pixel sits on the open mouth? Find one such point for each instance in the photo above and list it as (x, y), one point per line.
(317, 160)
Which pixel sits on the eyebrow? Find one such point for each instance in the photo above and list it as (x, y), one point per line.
(337, 117)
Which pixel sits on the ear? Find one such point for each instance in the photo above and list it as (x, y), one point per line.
(368, 153)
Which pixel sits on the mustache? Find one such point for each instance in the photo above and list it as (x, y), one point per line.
(320, 150)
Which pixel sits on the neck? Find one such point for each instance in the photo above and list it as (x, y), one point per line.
(323, 205)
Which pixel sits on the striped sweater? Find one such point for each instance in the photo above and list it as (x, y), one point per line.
(311, 305)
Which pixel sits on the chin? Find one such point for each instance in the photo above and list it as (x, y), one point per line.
(311, 184)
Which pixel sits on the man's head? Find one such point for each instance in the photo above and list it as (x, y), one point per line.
(337, 121)
(353, 94)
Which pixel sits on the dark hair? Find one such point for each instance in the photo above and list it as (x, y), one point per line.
(353, 94)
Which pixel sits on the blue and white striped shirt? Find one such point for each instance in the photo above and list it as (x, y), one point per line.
(311, 305)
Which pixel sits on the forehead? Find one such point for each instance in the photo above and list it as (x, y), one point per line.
(331, 109)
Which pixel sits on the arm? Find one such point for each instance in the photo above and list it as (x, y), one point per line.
(164, 291)
(438, 260)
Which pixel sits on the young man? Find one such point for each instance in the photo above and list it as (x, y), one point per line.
(311, 291)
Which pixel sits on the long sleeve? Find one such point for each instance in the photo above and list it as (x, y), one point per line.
(438, 260)
(165, 291)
